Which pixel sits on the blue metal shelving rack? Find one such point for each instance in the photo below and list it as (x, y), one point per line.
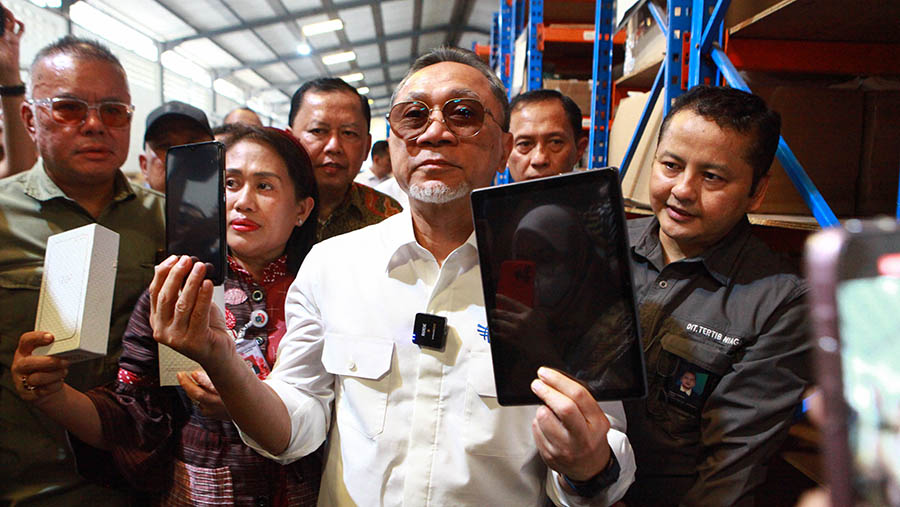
(693, 31)
(513, 18)
(601, 92)
(693, 59)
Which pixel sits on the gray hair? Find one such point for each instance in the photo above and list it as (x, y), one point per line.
(465, 57)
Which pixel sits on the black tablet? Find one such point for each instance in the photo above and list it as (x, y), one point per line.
(557, 285)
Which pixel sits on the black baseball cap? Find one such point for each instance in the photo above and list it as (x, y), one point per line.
(176, 108)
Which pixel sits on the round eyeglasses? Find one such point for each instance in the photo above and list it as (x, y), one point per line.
(73, 112)
(462, 117)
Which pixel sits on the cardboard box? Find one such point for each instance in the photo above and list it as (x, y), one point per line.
(879, 169)
(77, 292)
(822, 126)
(645, 43)
(579, 90)
(636, 184)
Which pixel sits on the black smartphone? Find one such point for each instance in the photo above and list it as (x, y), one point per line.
(854, 276)
(195, 204)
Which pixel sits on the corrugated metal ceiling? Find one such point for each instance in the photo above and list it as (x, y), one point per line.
(253, 43)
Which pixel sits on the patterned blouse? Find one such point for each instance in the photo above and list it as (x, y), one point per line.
(160, 443)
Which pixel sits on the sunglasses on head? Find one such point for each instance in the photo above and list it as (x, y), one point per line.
(462, 117)
(73, 112)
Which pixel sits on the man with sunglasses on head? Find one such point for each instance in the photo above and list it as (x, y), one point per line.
(411, 423)
(80, 120)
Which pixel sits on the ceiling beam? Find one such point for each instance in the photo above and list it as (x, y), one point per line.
(379, 33)
(279, 8)
(258, 23)
(375, 40)
(462, 11)
(362, 69)
(417, 26)
(177, 15)
(389, 83)
(346, 45)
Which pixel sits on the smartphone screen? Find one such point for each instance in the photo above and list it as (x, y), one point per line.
(854, 278)
(195, 204)
(868, 304)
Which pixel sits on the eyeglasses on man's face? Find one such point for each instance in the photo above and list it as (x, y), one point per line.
(73, 112)
(462, 117)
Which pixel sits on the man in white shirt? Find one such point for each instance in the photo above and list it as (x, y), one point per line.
(380, 168)
(408, 424)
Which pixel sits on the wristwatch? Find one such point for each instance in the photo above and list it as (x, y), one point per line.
(599, 482)
(12, 90)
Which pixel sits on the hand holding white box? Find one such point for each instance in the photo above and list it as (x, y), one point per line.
(77, 292)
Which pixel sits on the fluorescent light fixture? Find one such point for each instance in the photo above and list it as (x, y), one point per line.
(303, 48)
(352, 78)
(363, 90)
(332, 25)
(333, 58)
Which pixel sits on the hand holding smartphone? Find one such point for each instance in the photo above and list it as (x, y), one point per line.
(854, 276)
(195, 205)
(517, 282)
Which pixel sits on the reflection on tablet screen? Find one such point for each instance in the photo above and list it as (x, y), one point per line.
(557, 283)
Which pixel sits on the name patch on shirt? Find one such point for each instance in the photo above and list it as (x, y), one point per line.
(712, 334)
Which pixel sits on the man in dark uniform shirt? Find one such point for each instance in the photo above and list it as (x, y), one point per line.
(714, 302)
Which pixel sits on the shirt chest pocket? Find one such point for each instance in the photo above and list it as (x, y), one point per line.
(362, 365)
(19, 292)
(490, 429)
(712, 358)
(684, 374)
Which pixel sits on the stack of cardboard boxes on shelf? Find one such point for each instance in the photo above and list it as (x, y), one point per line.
(846, 139)
(844, 130)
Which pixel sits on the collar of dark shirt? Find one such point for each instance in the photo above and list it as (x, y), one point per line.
(719, 259)
(40, 187)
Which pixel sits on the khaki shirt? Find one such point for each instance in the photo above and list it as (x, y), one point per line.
(33, 450)
(362, 206)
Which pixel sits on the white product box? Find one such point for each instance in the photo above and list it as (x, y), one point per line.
(77, 292)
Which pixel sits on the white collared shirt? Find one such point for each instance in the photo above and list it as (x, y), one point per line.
(412, 426)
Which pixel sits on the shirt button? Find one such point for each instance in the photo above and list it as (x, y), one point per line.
(663, 284)
(351, 365)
